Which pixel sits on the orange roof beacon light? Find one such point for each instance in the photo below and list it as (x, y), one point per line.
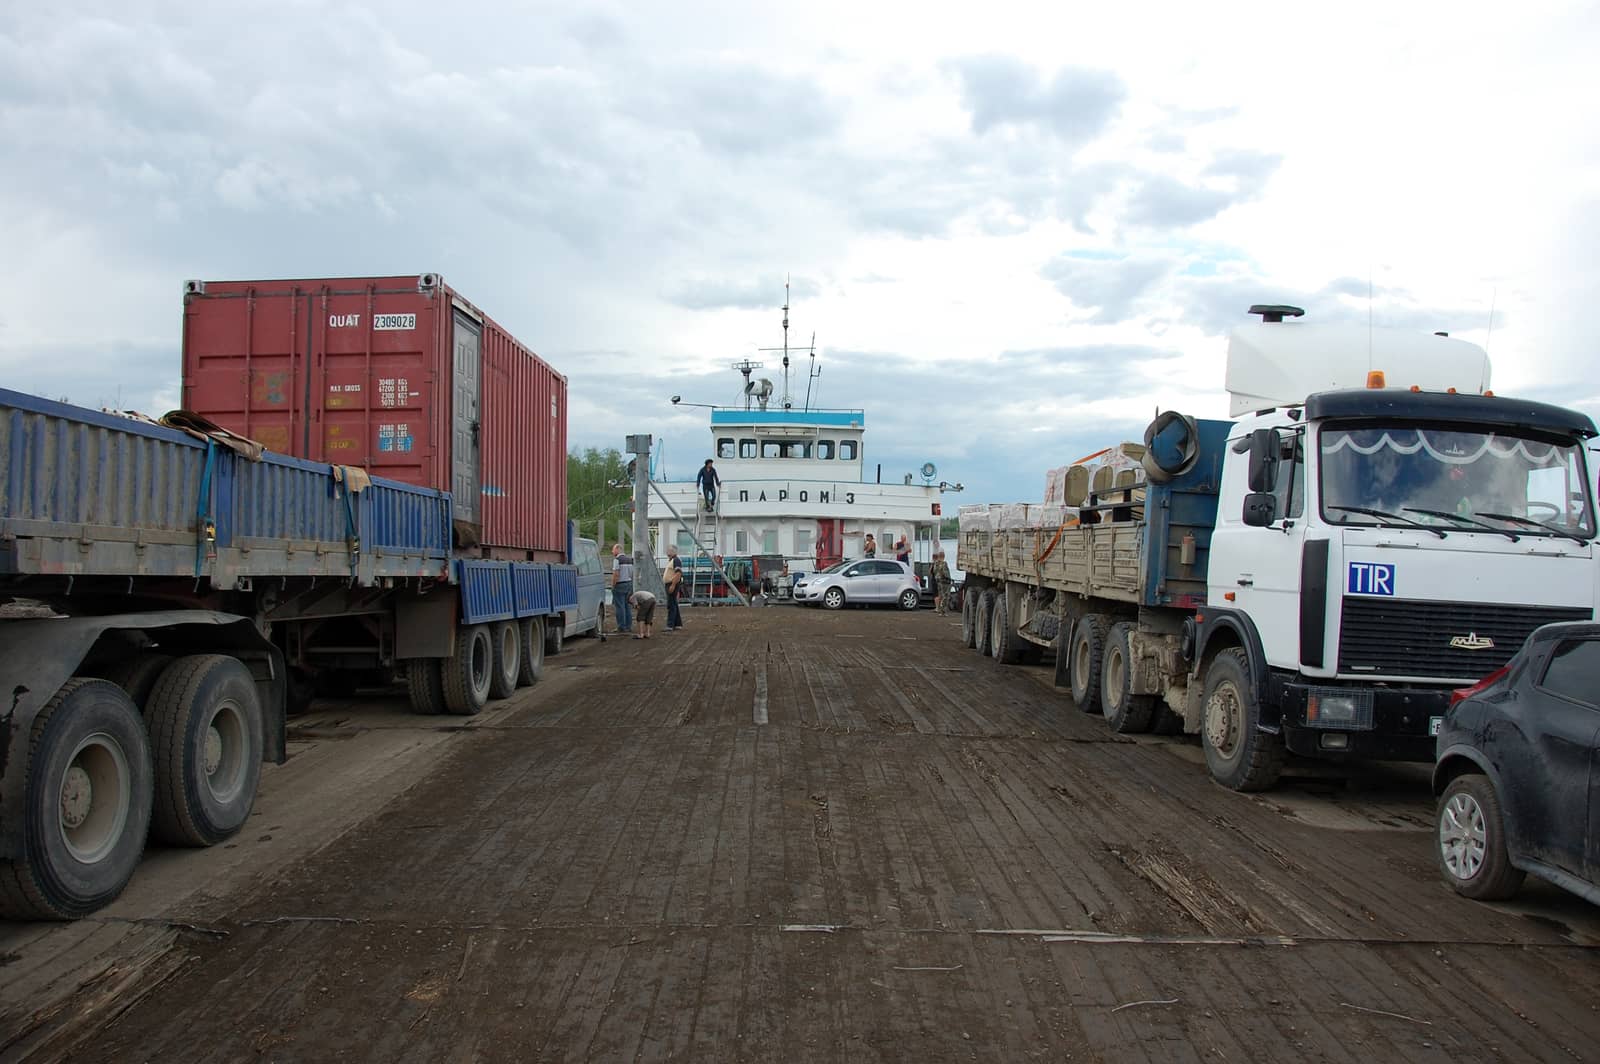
(1375, 378)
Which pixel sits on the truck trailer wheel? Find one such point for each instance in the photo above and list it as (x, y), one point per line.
(969, 616)
(1125, 711)
(507, 659)
(1084, 661)
(532, 664)
(1003, 640)
(425, 685)
(983, 616)
(205, 738)
(86, 806)
(468, 675)
(1240, 756)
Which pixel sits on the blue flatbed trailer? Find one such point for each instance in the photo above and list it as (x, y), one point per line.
(165, 599)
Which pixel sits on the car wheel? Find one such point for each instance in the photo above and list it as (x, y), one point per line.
(1472, 840)
(833, 598)
(1239, 755)
(910, 599)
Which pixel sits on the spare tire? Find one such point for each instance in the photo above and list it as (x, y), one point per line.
(1171, 446)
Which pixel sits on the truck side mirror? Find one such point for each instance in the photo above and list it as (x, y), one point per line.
(1260, 509)
(1265, 447)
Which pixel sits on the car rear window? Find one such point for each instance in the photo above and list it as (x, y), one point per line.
(1574, 671)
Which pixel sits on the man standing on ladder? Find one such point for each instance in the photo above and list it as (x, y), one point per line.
(708, 482)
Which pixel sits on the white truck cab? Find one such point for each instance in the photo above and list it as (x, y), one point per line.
(1388, 529)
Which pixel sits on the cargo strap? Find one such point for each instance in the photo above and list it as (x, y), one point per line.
(352, 533)
(1040, 556)
(206, 526)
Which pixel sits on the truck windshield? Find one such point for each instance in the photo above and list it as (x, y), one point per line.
(1427, 475)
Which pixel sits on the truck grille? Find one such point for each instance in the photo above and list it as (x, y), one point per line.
(1396, 637)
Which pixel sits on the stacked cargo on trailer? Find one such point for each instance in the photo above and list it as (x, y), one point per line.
(1317, 576)
(165, 594)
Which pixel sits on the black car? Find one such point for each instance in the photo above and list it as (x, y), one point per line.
(1518, 770)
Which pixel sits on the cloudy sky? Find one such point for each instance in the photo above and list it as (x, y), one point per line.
(1016, 229)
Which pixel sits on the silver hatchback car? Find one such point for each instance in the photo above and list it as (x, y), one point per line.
(858, 582)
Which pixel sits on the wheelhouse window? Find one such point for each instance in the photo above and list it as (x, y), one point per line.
(797, 449)
(747, 448)
(771, 449)
(725, 447)
(1462, 479)
(825, 449)
(849, 449)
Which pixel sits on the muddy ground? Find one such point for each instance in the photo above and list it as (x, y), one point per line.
(789, 835)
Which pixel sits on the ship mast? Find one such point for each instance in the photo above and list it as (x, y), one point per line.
(788, 397)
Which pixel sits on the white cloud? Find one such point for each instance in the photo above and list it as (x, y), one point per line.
(1015, 235)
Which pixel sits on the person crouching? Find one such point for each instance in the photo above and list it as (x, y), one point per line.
(644, 616)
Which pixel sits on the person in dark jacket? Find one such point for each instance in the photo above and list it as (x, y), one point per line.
(708, 482)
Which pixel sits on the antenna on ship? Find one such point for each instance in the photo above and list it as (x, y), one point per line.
(788, 396)
(814, 372)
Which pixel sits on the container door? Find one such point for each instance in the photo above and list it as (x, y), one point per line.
(468, 342)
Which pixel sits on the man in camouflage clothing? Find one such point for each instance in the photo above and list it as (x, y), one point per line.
(940, 577)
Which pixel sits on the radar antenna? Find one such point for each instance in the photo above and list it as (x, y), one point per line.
(788, 398)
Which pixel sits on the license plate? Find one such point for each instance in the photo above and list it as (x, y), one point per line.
(1433, 725)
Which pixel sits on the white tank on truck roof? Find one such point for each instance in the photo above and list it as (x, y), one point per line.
(1279, 363)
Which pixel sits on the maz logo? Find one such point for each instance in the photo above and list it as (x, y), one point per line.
(1471, 641)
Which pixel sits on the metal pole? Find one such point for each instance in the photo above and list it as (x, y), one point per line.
(639, 447)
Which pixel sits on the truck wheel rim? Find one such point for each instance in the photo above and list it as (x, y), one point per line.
(96, 792)
(1080, 664)
(225, 752)
(1115, 668)
(1224, 719)
(1463, 836)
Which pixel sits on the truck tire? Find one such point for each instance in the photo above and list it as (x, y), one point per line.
(1004, 643)
(205, 739)
(137, 675)
(1126, 712)
(1240, 756)
(969, 617)
(86, 804)
(468, 674)
(555, 634)
(1083, 663)
(983, 612)
(425, 685)
(532, 663)
(507, 659)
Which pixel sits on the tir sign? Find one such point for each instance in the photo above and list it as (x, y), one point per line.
(1371, 578)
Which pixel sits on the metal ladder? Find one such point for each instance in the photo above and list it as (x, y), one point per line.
(707, 531)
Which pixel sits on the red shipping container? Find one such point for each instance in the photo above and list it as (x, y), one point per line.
(398, 375)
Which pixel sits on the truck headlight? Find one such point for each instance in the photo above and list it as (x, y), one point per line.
(1339, 707)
